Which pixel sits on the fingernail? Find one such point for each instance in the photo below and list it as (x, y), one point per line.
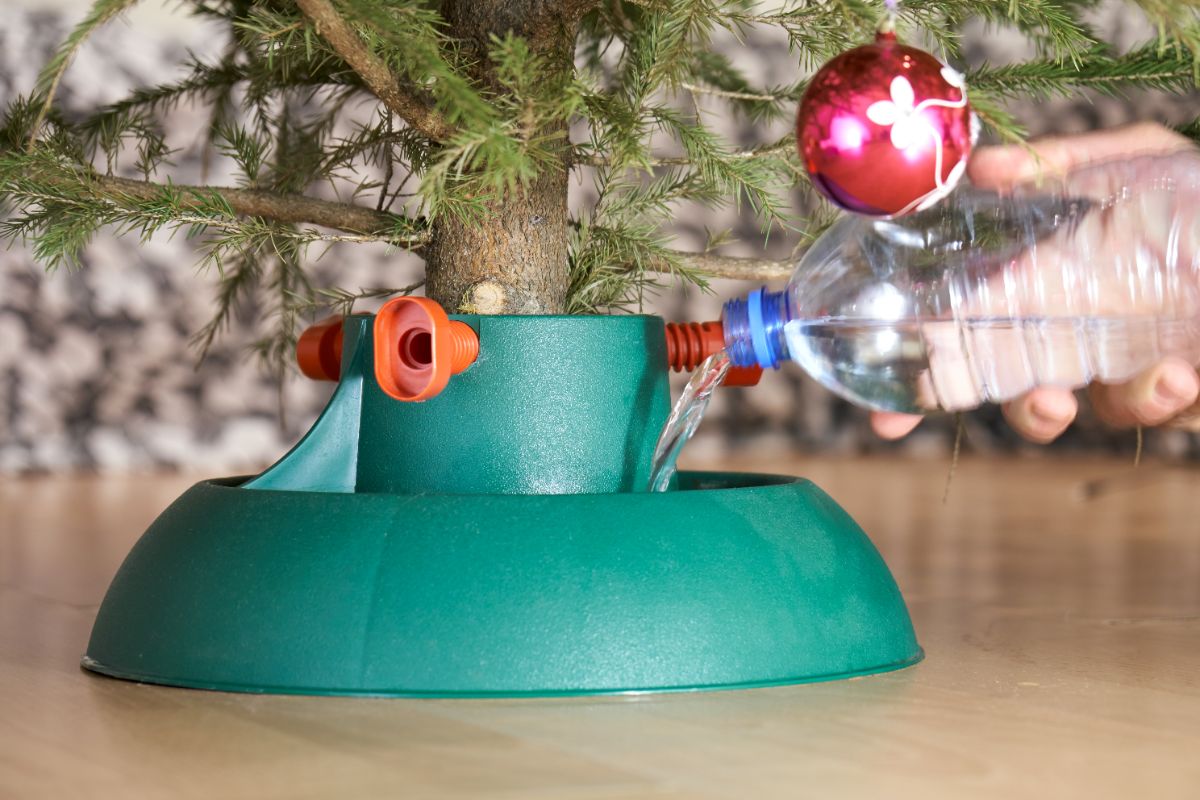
(1050, 413)
(1174, 388)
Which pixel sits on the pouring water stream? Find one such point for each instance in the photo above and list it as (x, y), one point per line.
(685, 416)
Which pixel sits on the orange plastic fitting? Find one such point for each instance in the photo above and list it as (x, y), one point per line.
(689, 343)
(319, 350)
(418, 348)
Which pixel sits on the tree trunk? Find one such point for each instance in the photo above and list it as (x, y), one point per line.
(514, 260)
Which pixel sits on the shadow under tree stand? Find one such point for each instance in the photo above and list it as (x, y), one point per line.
(497, 538)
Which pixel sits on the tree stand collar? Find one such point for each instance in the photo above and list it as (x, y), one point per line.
(547, 405)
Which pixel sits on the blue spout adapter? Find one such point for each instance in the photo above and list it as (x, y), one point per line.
(754, 329)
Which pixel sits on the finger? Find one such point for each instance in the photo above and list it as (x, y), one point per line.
(1187, 420)
(1000, 167)
(1152, 398)
(888, 425)
(1042, 415)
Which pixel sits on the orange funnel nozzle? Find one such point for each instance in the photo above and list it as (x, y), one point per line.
(319, 350)
(689, 343)
(418, 348)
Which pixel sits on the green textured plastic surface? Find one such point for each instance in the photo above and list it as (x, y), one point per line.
(503, 595)
(553, 405)
(498, 540)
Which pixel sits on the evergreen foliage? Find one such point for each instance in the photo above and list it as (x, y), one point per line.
(285, 111)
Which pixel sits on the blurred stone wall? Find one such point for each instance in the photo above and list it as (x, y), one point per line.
(95, 366)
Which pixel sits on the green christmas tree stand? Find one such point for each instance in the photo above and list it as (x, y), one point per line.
(498, 540)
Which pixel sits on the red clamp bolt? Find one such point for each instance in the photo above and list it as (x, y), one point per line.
(418, 347)
(689, 343)
(319, 350)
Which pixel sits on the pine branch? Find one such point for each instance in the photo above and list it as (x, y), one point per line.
(1178, 25)
(278, 207)
(1191, 130)
(1052, 25)
(729, 94)
(714, 74)
(783, 147)
(406, 101)
(341, 301)
(614, 266)
(996, 118)
(1146, 67)
(712, 265)
(52, 73)
(522, 133)
(758, 179)
(818, 31)
(238, 279)
(64, 203)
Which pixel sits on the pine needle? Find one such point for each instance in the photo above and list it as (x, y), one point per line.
(960, 429)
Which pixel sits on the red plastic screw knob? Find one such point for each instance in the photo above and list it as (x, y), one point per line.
(418, 347)
(689, 343)
(319, 350)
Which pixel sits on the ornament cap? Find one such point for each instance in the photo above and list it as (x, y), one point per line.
(886, 30)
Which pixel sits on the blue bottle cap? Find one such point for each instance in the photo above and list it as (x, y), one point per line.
(754, 329)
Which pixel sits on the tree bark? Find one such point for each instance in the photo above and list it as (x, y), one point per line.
(514, 260)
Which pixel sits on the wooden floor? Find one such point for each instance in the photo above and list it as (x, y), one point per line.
(1063, 659)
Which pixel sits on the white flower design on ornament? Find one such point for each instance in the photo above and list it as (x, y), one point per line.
(900, 112)
(903, 114)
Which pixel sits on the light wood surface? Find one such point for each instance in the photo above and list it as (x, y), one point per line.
(1063, 660)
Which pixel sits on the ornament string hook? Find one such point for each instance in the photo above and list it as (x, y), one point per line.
(887, 25)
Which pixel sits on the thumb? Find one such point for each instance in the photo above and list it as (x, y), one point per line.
(889, 425)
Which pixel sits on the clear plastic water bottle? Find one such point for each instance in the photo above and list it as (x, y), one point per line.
(1095, 276)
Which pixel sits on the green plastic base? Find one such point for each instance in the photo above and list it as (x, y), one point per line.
(499, 539)
(743, 580)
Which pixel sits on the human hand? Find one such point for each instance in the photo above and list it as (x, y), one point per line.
(1168, 391)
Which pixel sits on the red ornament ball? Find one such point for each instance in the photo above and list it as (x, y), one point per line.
(885, 129)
